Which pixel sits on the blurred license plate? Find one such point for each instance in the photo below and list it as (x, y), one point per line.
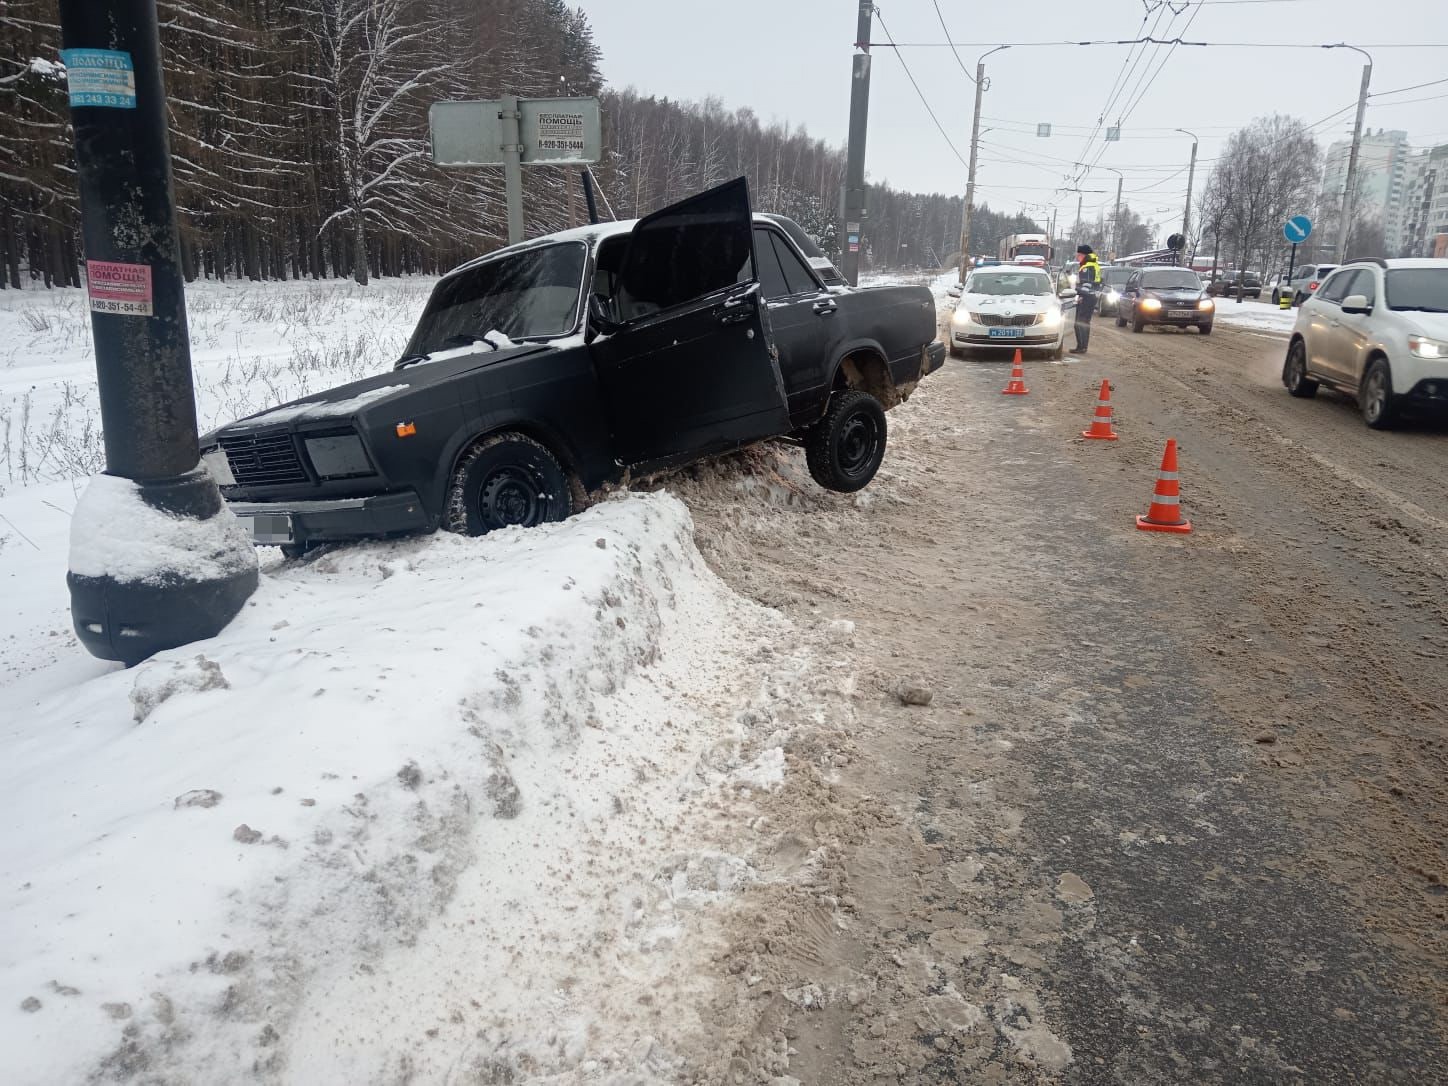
(1181, 313)
(272, 528)
(1005, 333)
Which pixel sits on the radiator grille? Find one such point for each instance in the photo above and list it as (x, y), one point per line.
(264, 459)
(996, 320)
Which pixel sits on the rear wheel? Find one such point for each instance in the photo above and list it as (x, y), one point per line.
(1294, 372)
(1276, 297)
(506, 480)
(1375, 396)
(1121, 318)
(844, 449)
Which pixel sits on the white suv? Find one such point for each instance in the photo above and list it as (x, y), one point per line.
(1378, 330)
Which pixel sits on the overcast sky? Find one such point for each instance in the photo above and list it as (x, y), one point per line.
(790, 60)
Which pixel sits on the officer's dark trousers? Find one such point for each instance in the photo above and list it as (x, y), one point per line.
(1085, 307)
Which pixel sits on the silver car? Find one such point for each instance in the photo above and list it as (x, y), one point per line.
(1305, 279)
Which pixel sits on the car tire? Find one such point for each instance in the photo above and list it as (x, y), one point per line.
(1205, 329)
(954, 351)
(1375, 396)
(1120, 319)
(1297, 299)
(1136, 325)
(1059, 351)
(506, 480)
(844, 449)
(1294, 372)
(1276, 297)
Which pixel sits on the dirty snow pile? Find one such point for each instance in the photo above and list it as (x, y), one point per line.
(1256, 316)
(446, 809)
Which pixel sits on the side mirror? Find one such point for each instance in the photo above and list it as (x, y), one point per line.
(599, 317)
(1066, 294)
(1356, 303)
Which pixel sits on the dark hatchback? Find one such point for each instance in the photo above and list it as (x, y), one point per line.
(1172, 296)
(1230, 284)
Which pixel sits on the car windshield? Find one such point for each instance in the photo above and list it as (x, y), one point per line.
(1422, 289)
(1004, 283)
(1115, 277)
(529, 295)
(1171, 280)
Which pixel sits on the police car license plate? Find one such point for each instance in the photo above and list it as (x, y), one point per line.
(1005, 333)
(1181, 313)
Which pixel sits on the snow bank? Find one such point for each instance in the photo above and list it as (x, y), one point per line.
(445, 809)
(1258, 316)
(116, 534)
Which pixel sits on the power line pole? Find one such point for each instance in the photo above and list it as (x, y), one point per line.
(969, 206)
(1191, 176)
(852, 202)
(1349, 197)
(1116, 222)
(190, 568)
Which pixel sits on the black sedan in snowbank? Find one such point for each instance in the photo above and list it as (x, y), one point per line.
(547, 369)
(1171, 296)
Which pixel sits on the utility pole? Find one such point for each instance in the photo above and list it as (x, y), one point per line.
(852, 203)
(1191, 176)
(156, 559)
(1349, 197)
(969, 206)
(1077, 224)
(1116, 220)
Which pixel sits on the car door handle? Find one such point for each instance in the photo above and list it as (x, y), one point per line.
(825, 306)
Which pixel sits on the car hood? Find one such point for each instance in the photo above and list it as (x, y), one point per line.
(1432, 325)
(347, 400)
(1008, 303)
(1174, 295)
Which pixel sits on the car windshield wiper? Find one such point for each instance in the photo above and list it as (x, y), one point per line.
(411, 360)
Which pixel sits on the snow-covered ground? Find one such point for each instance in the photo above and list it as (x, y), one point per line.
(1256, 315)
(435, 810)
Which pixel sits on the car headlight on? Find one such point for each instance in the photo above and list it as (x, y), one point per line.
(1206, 303)
(338, 456)
(1051, 318)
(1113, 295)
(1427, 348)
(1149, 303)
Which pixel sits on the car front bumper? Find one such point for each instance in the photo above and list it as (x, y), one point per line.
(300, 523)
(1429, 392)
(1164, 316)
(1036, 340)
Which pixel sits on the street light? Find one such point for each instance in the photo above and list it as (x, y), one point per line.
(1191, 176)
(965, 211)
(1116, 219)
(1352, 158)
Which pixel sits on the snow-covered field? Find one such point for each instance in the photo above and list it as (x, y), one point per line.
(1256, 315)
(438, 810)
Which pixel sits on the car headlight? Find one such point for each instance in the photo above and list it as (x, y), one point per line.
(1149, 303)
(1206, 303)
(338, 456)
(1427, 348)
(1052, 318)
(1113, 295)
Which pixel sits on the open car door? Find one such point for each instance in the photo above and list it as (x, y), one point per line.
(689, 370)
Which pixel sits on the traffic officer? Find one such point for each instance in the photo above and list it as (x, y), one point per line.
(1088, 289)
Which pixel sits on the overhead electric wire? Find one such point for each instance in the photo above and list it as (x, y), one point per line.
(1401, 90)
(923, 100)
(955, 51)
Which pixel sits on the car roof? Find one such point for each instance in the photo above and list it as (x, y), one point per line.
(590, 234)
(1418, 262)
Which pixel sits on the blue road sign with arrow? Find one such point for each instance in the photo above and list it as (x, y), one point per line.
(1297, 229)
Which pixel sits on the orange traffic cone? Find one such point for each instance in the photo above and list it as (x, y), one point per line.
(1017, 385)
(1101, 424)
(1165, 514)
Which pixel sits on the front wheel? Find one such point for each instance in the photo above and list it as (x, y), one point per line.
(1205, 329)
(844, 449)
(503, 481)
(1120, 319)
(1294, 372)
(1136, 324)
(1375, 397)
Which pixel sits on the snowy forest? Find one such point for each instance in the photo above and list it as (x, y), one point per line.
(299, 138)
